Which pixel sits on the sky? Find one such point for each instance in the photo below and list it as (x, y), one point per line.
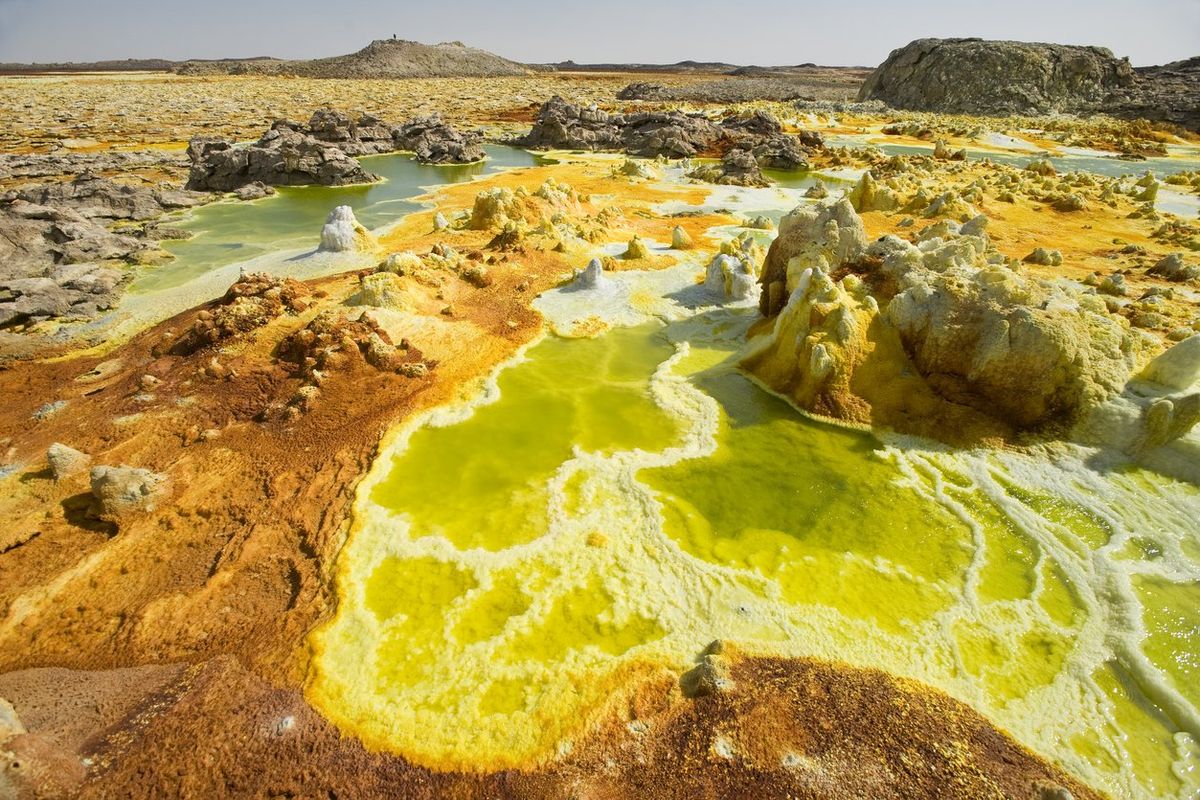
(764, 32)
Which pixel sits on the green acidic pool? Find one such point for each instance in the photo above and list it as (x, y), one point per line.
(625, 500)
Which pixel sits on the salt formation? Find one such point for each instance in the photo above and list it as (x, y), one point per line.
(680, 240)
(731, 277)
(940, 338)
(343, 233)
(591, 276)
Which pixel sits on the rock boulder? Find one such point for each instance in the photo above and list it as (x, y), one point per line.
(977, 76)
(124, 490)
(283, 157)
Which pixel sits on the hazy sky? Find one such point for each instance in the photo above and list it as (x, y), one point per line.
(747, 32)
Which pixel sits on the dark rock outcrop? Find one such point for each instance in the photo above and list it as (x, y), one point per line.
(283, 157)
(977, 76)
(723, 90)
(365, 136)
(564, 126)
(93, 197)
(673, 134)
(322, 152)
(433, 141)
(46, 165)
(58, 256)
(737, 168)
(1170, 93)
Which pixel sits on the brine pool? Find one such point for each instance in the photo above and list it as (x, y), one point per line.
(628, 499)
(614, 504)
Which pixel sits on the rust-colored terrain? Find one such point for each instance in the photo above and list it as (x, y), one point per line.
(163, 654)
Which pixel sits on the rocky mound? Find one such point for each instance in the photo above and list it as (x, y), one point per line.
(728, 90)
(673, 134)
(383, 58)
(63, 245)
(940, 338)
(977, 76)
(283, 157)
(321, 152)
(747, 84)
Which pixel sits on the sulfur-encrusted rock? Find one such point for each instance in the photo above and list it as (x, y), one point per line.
(124, 490)
(380, 289)
(938, 338)
(680, 239)
(65, 461)
(494, 208)
(1173, 268)
(636, 249)
(810, 236)
(868, 195)
(1178, 367)
(1043, 257)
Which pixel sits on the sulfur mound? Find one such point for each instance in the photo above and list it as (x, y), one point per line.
(939, 338)
(333, 341)
(822, 236)
(342, 232)
(251, 302)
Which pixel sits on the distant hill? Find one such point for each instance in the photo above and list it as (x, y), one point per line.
(678, 66)
(383, 58)
(123, 65)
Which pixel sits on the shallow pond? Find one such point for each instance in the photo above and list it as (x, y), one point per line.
(233, 231)
(630, 498)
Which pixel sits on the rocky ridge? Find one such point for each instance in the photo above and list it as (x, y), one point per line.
(383, 58)
(674, 134)
(323, 150)
(942, 337)
(987, 77)
(63, 246)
